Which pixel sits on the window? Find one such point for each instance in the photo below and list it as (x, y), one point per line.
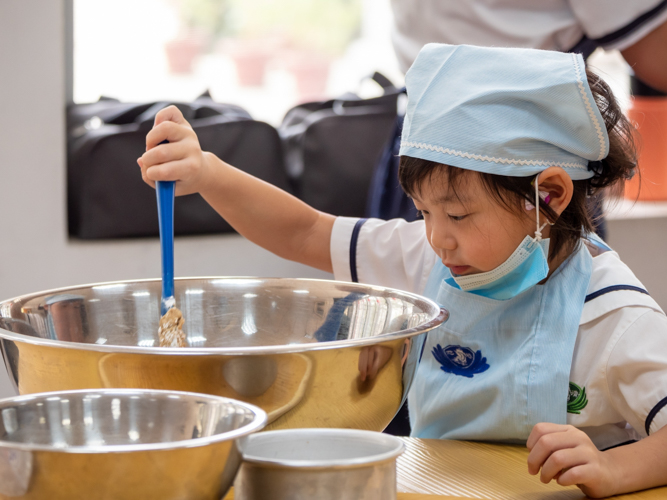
(265, 55)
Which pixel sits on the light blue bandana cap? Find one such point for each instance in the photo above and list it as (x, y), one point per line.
(502, 111)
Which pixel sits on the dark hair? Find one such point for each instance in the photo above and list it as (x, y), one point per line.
(511, 192)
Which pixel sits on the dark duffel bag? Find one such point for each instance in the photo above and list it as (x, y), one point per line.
(332, 147)
(106, 195)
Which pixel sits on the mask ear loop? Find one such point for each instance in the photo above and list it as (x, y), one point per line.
(538, 232)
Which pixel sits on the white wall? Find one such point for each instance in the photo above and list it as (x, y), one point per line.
(642, 244)
(35, 253)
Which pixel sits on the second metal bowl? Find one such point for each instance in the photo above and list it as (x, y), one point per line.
(121, 444)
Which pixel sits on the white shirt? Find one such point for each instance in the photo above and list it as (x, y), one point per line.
(539, 24)
(620, 355)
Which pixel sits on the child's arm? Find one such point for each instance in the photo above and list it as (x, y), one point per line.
(258, 210)
(567, 454)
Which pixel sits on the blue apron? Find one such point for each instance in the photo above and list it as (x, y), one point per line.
(498, 367)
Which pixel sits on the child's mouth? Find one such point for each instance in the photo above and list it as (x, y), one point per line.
(458, 269)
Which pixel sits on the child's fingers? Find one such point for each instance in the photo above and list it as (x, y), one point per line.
(170, 114)
(143, 173)
(159, 171)
(580, 474)
(164, 153)
(171, 171)
(166, 131)
(542, 429)
(547, 445)
(562, 460)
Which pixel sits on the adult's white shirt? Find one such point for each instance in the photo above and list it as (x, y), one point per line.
(539, 24)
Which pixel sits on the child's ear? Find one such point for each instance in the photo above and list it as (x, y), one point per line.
(556, 182)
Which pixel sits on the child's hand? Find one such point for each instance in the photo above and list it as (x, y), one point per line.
(180, 160)
(566, 454)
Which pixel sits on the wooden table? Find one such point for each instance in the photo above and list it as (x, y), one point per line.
(432, 469)
(463, 469)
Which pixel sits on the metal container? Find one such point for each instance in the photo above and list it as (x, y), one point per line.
(326, 464)
(121, 444)
(311, 353)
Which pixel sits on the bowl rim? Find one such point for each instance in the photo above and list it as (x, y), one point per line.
(259, 422)
(396, 444)
(436, 321)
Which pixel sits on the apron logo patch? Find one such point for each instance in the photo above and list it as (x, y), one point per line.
(460, 360)
(576, 399)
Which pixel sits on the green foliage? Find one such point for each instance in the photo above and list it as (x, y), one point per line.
(318, 25)
(210, 16)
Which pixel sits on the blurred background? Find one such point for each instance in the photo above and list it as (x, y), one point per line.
(265, 55)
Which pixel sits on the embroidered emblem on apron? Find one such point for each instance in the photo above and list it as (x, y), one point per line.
(460, 360)
(576, 399)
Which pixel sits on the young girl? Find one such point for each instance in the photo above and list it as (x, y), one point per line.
(552, 341)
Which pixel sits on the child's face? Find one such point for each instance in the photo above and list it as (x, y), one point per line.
(469, 229)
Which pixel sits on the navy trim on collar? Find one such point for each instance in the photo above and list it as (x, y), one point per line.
(651, 415)
(584, 45)
(614, 288)
(620, 444)
(353, 250)
(632, 26)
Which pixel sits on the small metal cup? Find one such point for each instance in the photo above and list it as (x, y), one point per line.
(327, 464)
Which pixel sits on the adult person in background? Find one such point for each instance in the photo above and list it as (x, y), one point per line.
(638, 28)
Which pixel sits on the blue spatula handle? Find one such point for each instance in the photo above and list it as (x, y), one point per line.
(165, 212)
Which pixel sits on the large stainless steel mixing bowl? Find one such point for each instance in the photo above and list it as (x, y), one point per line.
(121, 443)
(311, 353)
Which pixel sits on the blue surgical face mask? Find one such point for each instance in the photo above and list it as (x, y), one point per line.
(525, 268)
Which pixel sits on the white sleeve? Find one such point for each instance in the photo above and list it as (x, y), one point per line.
(617, 24)
(393, 253)
(637, 373)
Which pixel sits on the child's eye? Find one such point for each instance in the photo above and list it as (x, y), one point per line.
(421, 213)
(457, 218)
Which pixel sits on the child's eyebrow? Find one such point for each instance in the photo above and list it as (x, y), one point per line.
(446, 198)
(453, 197)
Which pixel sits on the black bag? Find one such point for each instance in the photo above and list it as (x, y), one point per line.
(332, 147)
(106, 195)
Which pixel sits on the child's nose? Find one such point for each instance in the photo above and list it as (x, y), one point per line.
(441, 238)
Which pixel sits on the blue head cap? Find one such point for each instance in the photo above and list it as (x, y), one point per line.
(502, 111)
